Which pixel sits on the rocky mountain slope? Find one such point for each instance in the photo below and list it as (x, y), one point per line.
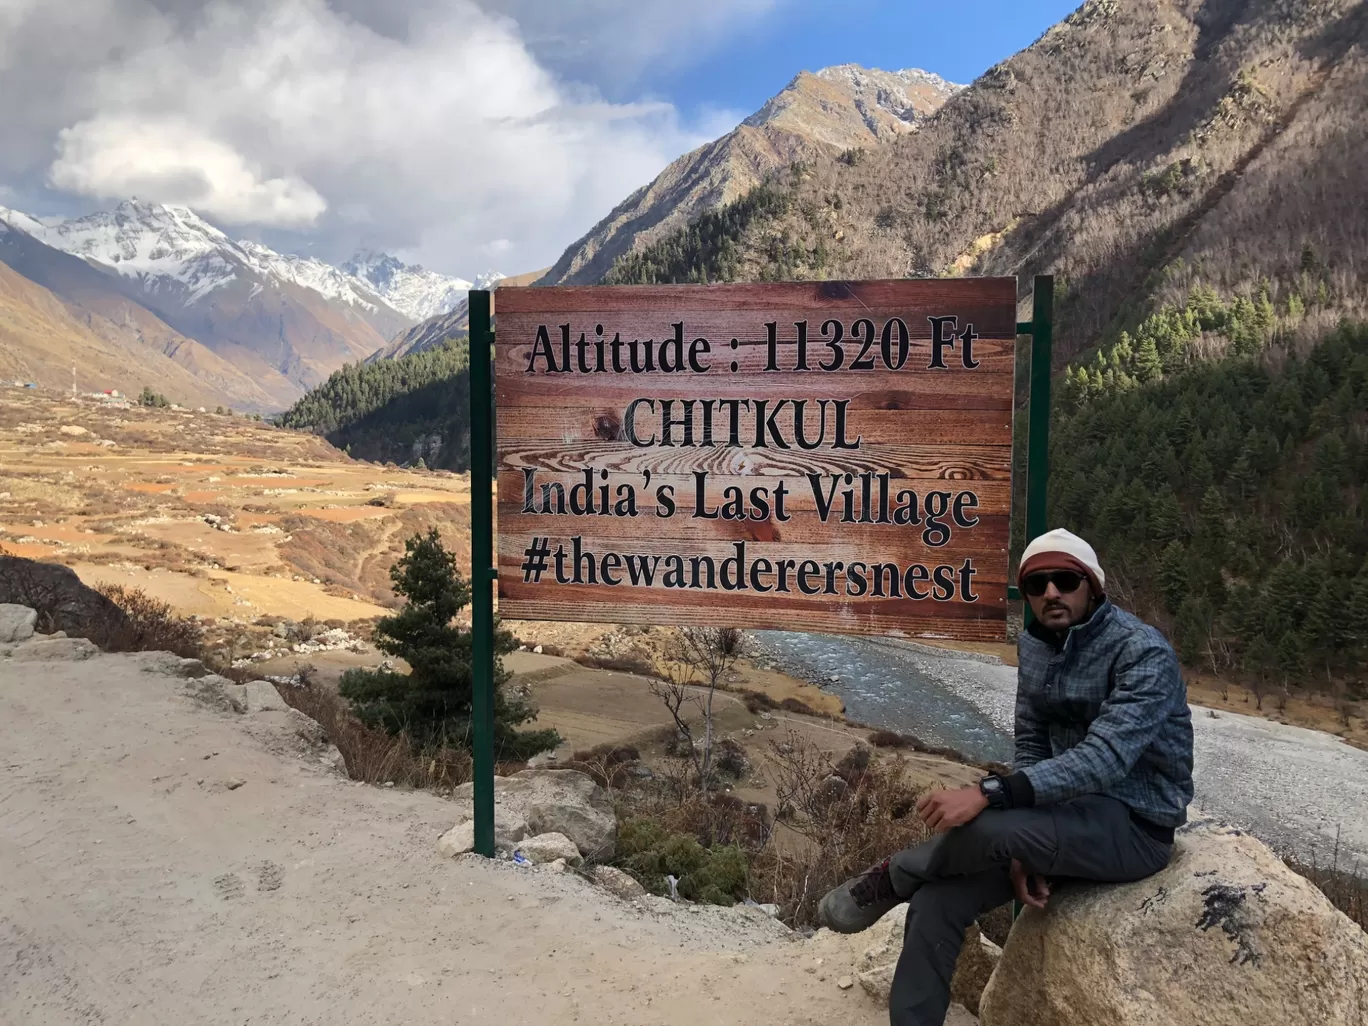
(58, 312)
(1137, 147)
(816, 116)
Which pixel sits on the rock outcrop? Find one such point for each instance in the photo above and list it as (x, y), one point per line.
(539, 801)
(62, 602)
(1226, 935)
(16, 622)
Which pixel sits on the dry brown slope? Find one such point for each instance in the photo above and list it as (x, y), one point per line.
(1230, 132)
(42, 338)
(824, 113)
(133, 346)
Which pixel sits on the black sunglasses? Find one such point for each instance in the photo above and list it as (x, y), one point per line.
(1066, 581)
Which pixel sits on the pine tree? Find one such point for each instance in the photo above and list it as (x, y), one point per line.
(1148, 366)
(1165, 516)
(1291, 660)
(433, 702)
(1173, 575)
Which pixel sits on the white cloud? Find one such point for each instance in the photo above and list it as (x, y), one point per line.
(428, 126)
(112, 157)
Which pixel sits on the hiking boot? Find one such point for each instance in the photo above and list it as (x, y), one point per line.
(859, 903)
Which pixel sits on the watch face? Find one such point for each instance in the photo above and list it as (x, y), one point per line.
(990, 785)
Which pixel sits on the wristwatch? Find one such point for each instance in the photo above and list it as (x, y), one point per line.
(993, 788)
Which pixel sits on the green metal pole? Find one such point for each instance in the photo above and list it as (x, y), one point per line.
(1038, 426)
(482, 567)
(1041, 330)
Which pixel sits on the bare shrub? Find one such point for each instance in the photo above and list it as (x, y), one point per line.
(730, 758)
(370, 753)
(842, 834)
(1345, 885)
(689, 671)
(891, 739)
(150, 625)
(634, 664)
(608, 764)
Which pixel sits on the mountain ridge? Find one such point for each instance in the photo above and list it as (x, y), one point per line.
(844, 107)
(259, 326)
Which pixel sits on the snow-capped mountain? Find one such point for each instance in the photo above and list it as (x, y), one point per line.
(411, 289)
(149, 241)
(287, 321)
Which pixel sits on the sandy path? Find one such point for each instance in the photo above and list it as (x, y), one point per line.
(138, 888)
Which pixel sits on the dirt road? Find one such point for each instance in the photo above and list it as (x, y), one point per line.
(140, 883)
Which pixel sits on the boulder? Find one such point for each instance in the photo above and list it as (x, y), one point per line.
(977, 959)
(305, 727)
(549, 848)
(16, 622)
(618, 882)
(1226, 935)
(62, 602)
(509, 830)
(553, 802)
(262, 696)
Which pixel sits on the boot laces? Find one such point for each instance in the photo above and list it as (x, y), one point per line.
(873, 885)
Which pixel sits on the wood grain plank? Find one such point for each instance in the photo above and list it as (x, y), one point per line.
(932, 430)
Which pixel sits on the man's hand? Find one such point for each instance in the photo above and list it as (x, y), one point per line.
(1030, 888)
(941, 810)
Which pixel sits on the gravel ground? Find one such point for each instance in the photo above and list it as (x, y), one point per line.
(1300, 791)
(164, 862)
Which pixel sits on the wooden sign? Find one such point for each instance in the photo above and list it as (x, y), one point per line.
(826, 456)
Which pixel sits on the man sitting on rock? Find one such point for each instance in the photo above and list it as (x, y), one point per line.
(1103, 775)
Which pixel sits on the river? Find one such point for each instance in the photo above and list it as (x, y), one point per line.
(1300, 791)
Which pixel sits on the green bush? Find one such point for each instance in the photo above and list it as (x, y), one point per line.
(716, 876)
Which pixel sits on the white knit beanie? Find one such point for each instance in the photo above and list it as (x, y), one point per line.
(1062, 550)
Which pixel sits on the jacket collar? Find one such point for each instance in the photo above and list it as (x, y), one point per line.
(1079, 633)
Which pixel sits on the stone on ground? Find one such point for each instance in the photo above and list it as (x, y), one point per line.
(550, 847)
(305, 727)
(458, 840)
(262, 696)
(619, 882)
(553, 802)
(1226, 935)
(237, 697)
(16, 622)
(509, 830)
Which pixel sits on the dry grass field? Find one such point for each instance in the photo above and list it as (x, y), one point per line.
(219, 515)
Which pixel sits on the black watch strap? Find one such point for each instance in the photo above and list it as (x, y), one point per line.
(994, 789)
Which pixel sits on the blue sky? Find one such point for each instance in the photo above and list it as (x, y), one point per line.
(957, 40)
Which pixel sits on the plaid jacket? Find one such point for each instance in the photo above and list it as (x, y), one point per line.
(1105, 713)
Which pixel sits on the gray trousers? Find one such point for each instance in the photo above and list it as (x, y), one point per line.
(954, 877)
